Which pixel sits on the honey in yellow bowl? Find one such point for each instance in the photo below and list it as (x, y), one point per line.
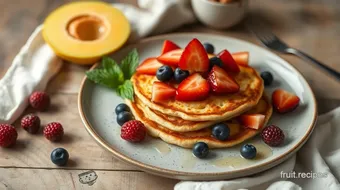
(82, 32)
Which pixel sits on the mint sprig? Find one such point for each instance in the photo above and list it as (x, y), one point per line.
(130, 63)
(125, 90)
(116, 76)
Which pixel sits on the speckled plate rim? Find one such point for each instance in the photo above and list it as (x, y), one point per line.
(188, 175)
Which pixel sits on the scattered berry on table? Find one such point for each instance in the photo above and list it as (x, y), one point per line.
(133, 131)
(273, 135)
(164, 73)
(53, 131)
(267, 78)
(209, 48)
(248, 151)
(180, 75)
(123, 117)
(59, 156)
(122, 107)
(200, 150)
(8, 135)
(39, 100)
(31, 123)
(215, 61)
(221, 131)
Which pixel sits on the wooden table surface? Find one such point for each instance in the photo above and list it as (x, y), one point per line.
(310, 25)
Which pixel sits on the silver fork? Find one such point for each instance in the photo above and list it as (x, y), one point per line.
(273, 42)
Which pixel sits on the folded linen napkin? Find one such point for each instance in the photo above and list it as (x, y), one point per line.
(320, 157)
(36, 63)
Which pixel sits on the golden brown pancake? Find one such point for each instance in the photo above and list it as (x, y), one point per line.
(211, 109)
(180, 125)
(238, 135)
(173, 123)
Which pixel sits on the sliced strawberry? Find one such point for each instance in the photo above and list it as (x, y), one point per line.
(169, 46)
(162, 91)
(241, 58)
(194, 57)
(229, 63)
(149, 66)
(171, 58)
(253, 121)
(284, 101)
(221, 82)
(193, 88)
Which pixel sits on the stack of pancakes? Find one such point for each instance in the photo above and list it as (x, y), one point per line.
(186, 123)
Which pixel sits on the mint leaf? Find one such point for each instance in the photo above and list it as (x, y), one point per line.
(116, 76)
(125, 90)
(109, 74)
(129, 64)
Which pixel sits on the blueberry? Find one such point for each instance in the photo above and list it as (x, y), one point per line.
(267, 78)
(248, 151)
(221, 131)
(164, 73)
(122, 107)
(209, 48)
(59, 156)
(200, 150)
(215, 61)
(123, 117)
(180, 75)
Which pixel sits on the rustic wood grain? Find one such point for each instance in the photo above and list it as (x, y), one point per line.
(34, 150)
(310, 25)
(41, 179)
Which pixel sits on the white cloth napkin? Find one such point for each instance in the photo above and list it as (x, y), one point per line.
(31, 70)
(36, 63)
(320, 155)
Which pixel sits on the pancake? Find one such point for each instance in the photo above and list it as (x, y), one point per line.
(238, 134)
(173, 123)
(211, 109)
(180, 125)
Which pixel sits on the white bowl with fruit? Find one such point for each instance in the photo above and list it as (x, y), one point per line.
(220, 14)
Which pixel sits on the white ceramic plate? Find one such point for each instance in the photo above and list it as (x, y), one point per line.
(97, 104)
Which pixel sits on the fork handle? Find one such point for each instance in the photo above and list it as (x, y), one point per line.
(322, 66)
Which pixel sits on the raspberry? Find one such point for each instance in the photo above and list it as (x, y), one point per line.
(8, 135)
(53, 131)
(40, 100)
(31, 123)
(133, 131)
(273, 135)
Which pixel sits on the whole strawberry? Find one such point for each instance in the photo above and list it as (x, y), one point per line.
(273, 135)
(40, 100)
(133, 131)
(8, 135)
(31, 123)
(53, 131)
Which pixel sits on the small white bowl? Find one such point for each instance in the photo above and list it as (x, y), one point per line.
(218, 15)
